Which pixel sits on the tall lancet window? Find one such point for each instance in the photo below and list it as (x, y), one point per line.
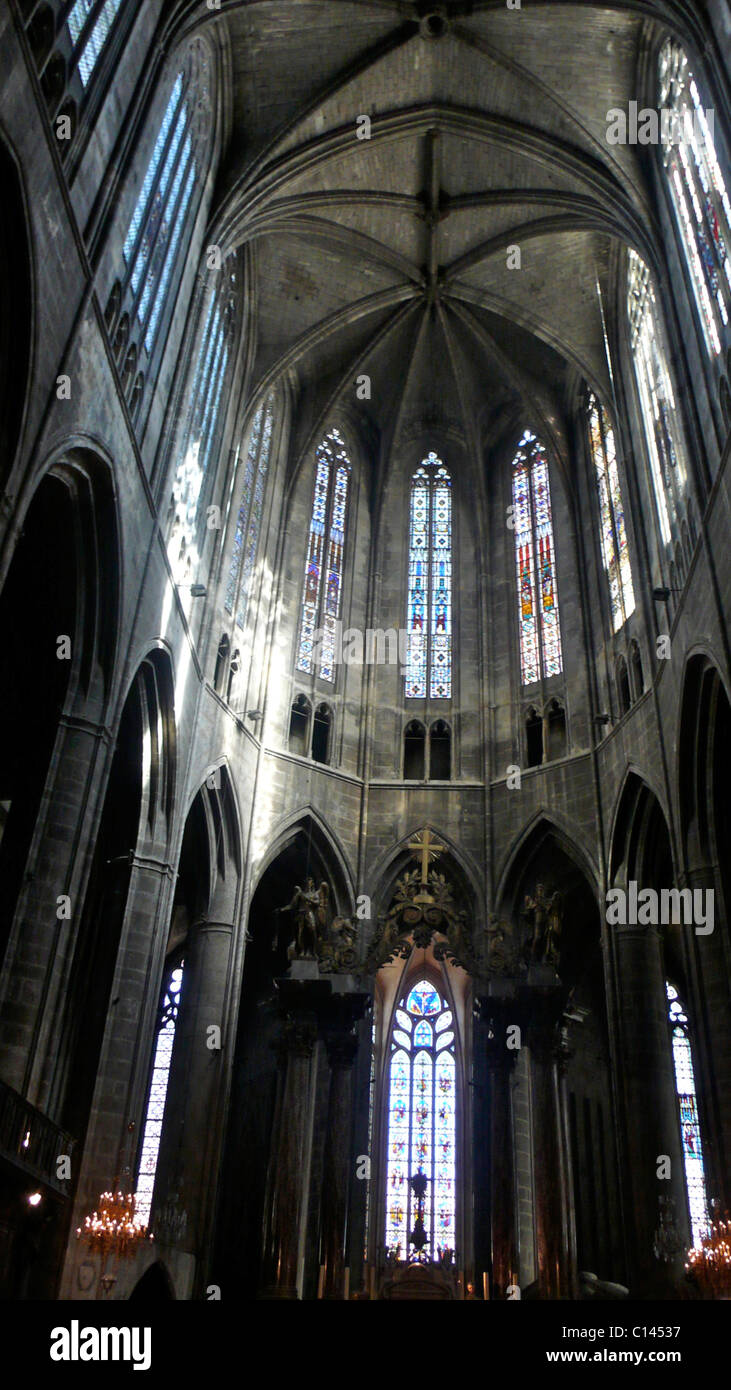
(535, 563)
(429, 607)
(152, 1127)
(422, 1134)
(615, 551)
(322, 593)
(200, 424)
(698, 193)
(248, 521)
(155, 232)
(695, 1177)
(657, 398)
(90, 23)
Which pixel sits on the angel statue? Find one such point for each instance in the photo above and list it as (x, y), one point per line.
(310, 908)
(547, 918)
(554, 925)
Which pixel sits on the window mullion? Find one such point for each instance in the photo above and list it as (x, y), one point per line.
(612, 515)
(536, 572)
(409, 1151)
(144, 223)
(429, 589)
(329, 515)
(87, 28)
(168, 216)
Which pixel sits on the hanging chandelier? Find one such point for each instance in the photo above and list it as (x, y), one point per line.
(114, 1228)
(709, 1263)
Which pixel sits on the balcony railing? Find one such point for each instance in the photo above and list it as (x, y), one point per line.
(30, 1141)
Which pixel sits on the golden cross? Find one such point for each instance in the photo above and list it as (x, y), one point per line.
(425, 849)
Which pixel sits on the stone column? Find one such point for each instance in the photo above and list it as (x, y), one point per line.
(501, 1062)
(120, 1092)
(711, 1043)
(188, 1162)
(551, 1243)
(41, 945)
(341, 1051)
(562, 1052)
(646, 1086)
(556, 1241)
(286, 1187)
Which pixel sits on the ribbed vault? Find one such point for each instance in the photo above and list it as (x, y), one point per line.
(389, 255)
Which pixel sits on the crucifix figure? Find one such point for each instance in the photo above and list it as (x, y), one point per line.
(426, 849)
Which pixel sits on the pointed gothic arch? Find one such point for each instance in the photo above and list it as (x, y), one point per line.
(62, 583)
(640, 844)
(703, 741)
(16, 330)
(173, 1171)
(302, 847)
(548, 862)
(135, 815)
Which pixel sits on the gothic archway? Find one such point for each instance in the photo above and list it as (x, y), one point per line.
(181, 1134)
(302, 850)
(134, 817)
(16, 326)
(58, 627)
(548, 866)
(646, 949)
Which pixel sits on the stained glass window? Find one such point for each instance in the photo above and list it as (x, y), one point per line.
(698, 193)
(90, 33)
(369, 1147)
(322, 593)
(429, 604)
(422, 1121)
(199, 425)
(535, 563)
(152, 1128)
(695, 1177)
(615, 551)
(154, 235)
(248, 521)
(657, 398)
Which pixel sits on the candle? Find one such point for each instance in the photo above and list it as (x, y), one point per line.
(321, 1281)
(347, 1283)
(485, 1287)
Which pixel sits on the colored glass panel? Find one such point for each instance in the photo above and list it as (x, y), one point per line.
(199, 429)
(613, 535)
(535, 563)
(155, 233)
(695, 1178)
(429, 601)
(418, 597)
(248, 520)
(698, 194)
(656, 395)
(422, 1122)
(97, 36)
(255, 515)
(152, 1127)
(152, 168)
(323, 582)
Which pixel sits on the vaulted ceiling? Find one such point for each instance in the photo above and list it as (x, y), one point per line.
(389, 255)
